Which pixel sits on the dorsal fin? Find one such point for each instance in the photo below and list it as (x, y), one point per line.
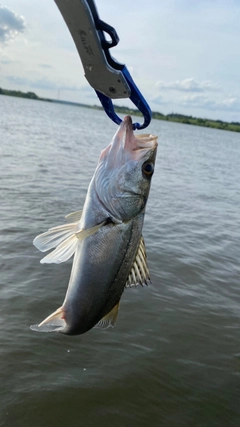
(139, 274)
(110, 318)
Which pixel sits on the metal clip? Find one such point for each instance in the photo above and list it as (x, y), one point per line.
(109, 78)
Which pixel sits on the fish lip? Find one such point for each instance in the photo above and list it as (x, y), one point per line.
(125, 145)
(127, 121)
(135, 144)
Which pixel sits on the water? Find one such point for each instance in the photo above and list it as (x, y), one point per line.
(173, 358)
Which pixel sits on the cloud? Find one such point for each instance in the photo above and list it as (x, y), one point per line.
(5, 61)
(24, 81)
(47, 66)
(49, 85)
(88, 91)
(11, 24)
(159, 100)
(187, 85)
(37, 84)
(202, 101)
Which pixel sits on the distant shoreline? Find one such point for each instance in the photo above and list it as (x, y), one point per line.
(174, 117)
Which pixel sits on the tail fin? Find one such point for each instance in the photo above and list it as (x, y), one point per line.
(53, 323)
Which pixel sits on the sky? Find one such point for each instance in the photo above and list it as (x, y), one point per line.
(184, 55)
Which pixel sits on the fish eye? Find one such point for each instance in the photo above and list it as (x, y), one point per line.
(148, 169)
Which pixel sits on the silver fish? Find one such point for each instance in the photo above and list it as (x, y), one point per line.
(105, 237)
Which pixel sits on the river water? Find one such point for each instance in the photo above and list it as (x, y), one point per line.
(173, 358)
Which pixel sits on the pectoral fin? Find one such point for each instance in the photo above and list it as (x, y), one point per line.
(65, 239)
(63, 252)
(81, 235)
(53, 323)
(139, 274)
(73, 216)
(110, 319)
(54, 236)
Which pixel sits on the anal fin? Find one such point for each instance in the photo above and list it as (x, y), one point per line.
(110, 318)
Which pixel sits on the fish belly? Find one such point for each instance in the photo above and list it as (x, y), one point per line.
(100, 270)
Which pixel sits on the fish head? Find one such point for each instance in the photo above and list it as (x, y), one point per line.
(124, 172)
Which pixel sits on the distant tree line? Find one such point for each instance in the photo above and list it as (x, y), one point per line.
(173, 117)
(18, 93)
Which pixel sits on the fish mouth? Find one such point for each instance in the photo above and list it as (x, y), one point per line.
(136, 145)
(125, 145)
(136, 142)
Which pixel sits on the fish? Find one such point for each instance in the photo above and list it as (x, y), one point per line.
(105, 237)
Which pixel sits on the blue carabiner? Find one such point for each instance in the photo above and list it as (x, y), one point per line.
(135, 94)
(137, 99)
(110, 79)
